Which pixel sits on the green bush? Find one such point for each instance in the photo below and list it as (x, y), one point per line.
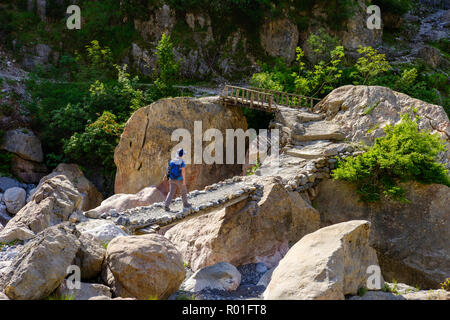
(404, 154)
(370, 64)
(97, 143)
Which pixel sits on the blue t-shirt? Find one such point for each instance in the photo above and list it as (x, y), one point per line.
(183, 165)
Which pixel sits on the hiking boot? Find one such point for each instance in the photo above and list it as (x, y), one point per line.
(167, 209)
(187, 206)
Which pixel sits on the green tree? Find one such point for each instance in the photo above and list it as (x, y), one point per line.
(168, 68)
(370, 64)
(323, 77)
(321, 44)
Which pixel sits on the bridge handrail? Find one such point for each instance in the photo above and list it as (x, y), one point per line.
(254, 98)
(289, 99)
(265, 97)
(281, 92)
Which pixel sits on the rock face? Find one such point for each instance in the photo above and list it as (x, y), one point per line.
(54, 201)
(90, 256)
(256, 231)
(162, 20)
(14, 199)
(24, 143)
(41, 266)
(279, 38)
(325, 265)
(145, 146)
(356, 32)
(412, 240)
(91, 198)
(122, 202)
(86, 291)
(346, 106)
(221, 276)
(143, 267)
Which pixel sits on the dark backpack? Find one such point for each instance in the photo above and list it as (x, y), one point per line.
(173, 170)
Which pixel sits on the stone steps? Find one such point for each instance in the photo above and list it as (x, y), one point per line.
(304, 116)
(319, 130)
(317, 149)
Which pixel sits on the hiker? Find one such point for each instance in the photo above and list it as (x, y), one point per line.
(176, 175)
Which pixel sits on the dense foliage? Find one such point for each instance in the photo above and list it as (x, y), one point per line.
(404, 154)
(327, 68)
(81, 115)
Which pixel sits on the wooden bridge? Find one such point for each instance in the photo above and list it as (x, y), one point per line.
(262, 99)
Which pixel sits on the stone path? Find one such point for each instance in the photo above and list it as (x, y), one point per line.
(216, 196)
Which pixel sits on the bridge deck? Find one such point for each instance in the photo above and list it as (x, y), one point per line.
(222, 194)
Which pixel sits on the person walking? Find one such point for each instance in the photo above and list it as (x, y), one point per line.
(176, 174)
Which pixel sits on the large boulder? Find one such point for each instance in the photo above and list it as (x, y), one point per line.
(54, 201)
(102, 230)
(91, 197)
(349, 107)
(28, 171)
(24, 143)
(8, 183)
(41, 266)
(325, 265)
(412, 239)
(85, 292)
(14, 199)
(145, 145)
(4, 216)
(221, 276)
(122, 202)
(242, 234)
(143, 267)
(90, 256)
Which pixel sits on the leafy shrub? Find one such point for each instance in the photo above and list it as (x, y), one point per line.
(404, 154)
(278, 78)
(446, 285)
(97, 143)
(370, 64)
(321, 44)
(322, 78)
